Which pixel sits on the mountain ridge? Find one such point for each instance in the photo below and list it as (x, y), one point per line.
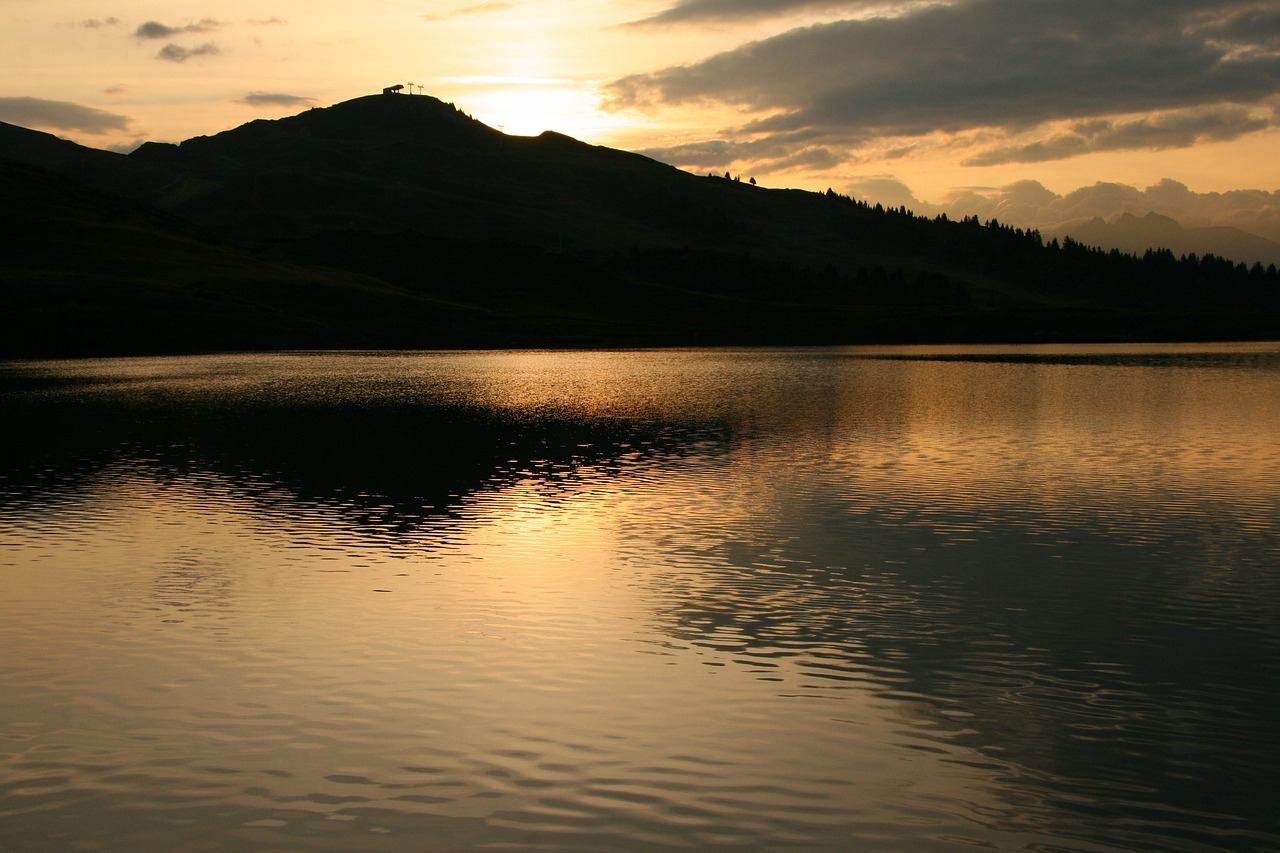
(456, 234)
(1136, 234)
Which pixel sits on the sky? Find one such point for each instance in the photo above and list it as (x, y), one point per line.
(1030, 111)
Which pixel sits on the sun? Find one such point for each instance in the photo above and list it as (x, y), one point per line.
(527, 106)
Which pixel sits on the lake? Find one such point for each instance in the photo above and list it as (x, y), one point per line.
(1015, 598)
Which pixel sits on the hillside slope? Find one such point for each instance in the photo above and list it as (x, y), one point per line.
(399, 221)
(87, 273)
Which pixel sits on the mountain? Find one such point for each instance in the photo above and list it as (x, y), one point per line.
(1135, 235)
(103, 169)
(398, 221)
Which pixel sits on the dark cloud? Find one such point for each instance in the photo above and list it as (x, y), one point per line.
(696, 11)
(1174, 130)
(769, 155)
(178, 53)
(61, 115)
(714, 153)
(157, 30)
(1257, 25)
(99, 23)
(814, 158)
(274, 99)
(1006, 64)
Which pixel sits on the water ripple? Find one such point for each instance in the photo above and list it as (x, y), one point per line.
(631, 601)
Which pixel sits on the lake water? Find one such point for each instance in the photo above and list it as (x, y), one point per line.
(803, 599)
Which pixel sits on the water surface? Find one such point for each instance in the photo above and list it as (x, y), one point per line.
(926, 599)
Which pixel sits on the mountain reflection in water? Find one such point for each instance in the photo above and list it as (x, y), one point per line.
(794, 599)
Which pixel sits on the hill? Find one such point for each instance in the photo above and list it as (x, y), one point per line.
(398, 221)
(87, 273)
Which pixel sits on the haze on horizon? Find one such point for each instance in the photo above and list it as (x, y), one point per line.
(1032, 112)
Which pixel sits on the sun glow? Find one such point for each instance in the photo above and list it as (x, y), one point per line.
(526, 106)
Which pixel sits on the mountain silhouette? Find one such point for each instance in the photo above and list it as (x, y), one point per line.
(394, 163)
(399, 221)
(1135, 234)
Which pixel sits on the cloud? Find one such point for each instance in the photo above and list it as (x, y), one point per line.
(1256, 25)
(770, 155)
(478, 9)
(266, 22)
(714, 154)
(157, 30)
(61, 115)
(178, 53)
(1202, 66)
(698, 11)
(274, 99)
(887, 191)
(812, 158)
(1172, 130)
(99, 23)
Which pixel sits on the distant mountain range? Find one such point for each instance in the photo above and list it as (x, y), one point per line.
(398, 221)
(1135, 235)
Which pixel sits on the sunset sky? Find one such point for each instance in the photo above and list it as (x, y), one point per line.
(1031, 110)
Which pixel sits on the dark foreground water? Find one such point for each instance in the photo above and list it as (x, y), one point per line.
(758, 600)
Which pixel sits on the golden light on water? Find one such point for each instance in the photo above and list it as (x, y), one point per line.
(801, 596)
